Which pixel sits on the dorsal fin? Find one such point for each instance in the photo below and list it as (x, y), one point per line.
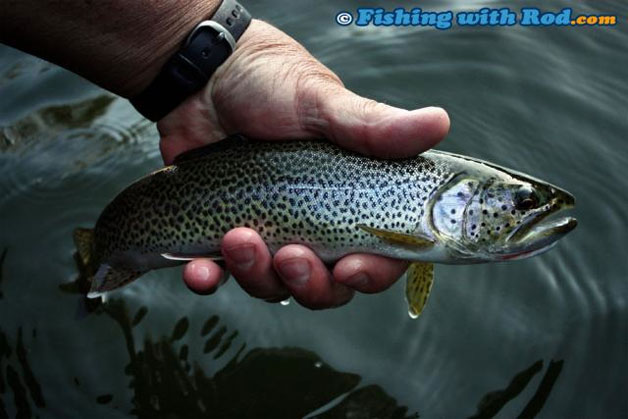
(203, 151)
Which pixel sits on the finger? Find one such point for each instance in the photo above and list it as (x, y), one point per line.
(377, 129)
(251, 264)
(202, 276)
(368, 273)
(307, 278)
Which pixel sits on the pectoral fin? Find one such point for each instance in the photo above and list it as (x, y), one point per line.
(420, 276)
(395, 237)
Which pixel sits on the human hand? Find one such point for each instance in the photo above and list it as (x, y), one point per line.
(272, 88)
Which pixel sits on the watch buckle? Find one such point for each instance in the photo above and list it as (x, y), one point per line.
(223, 33)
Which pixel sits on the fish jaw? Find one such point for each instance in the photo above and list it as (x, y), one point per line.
(541, 237)
(543, 229)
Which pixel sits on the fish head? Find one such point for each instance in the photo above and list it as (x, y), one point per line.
(500, 215)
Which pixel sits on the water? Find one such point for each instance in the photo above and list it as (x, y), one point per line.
(546, 336)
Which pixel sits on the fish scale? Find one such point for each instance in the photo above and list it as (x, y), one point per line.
(298, 192)
(436, 207)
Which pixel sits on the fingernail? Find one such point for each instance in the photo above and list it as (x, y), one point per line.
(202, 272)
(358, 280)
(296, 271)
(243, 256)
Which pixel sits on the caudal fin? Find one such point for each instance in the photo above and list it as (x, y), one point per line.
(101, 277)
(108, 278)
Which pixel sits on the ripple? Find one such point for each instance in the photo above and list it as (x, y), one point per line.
(73, 160)
(546, 102)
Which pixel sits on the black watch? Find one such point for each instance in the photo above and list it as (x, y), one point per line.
(205, 49)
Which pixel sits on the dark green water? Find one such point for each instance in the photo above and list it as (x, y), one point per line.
(547, 336)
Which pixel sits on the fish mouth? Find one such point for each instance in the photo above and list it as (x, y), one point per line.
(544, 228)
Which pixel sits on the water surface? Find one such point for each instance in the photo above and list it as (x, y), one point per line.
(546, 336)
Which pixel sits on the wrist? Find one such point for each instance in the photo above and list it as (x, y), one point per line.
(118, 44)
(160, 42)
(190, 68)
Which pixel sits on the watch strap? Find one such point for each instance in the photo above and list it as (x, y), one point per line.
(188, 71)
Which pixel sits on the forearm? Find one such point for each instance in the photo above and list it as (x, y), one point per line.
(117, 44)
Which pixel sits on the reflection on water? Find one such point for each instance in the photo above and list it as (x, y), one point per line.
(3, 256)
(544, 337)
(282, 382)
(23, 384)
(494, 401)
(370, 401)
(261, 382)
(33, 163)
(252, 384)
(51, 120)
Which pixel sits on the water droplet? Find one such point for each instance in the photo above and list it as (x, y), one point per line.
(285, 302)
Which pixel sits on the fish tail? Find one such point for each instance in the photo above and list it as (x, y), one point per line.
(101, 276)
(108, 278)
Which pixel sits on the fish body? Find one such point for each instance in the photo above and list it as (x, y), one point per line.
(436, 207)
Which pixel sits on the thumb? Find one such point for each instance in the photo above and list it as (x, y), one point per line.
(374, 128)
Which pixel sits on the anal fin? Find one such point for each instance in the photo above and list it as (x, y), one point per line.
(420, 277)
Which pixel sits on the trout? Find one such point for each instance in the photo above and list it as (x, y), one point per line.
(436, 207)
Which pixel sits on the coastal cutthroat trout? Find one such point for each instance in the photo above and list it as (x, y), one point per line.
(433, 208)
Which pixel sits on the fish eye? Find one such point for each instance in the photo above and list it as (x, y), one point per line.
(525, 199)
